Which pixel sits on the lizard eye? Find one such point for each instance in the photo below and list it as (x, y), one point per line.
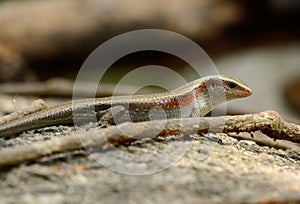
(232, 85)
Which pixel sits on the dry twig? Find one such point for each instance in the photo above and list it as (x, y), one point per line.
(268, 122)
(36, 106)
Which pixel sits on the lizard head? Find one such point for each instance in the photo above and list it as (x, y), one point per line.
(235, 88)
(229, 88)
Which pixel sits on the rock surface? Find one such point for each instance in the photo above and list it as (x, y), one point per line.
(210, 170)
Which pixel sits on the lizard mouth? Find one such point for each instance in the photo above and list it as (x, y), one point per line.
(246, 92)
(241, 93)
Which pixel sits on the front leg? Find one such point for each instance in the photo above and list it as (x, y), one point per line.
(111, 116)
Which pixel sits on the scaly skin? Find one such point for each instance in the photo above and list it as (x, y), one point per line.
(194, 99)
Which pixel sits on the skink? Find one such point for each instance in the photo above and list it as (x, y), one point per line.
(193, 99)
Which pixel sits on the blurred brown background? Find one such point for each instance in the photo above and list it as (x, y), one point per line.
(255, 40)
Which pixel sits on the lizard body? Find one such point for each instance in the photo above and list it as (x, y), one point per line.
(193, 99)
